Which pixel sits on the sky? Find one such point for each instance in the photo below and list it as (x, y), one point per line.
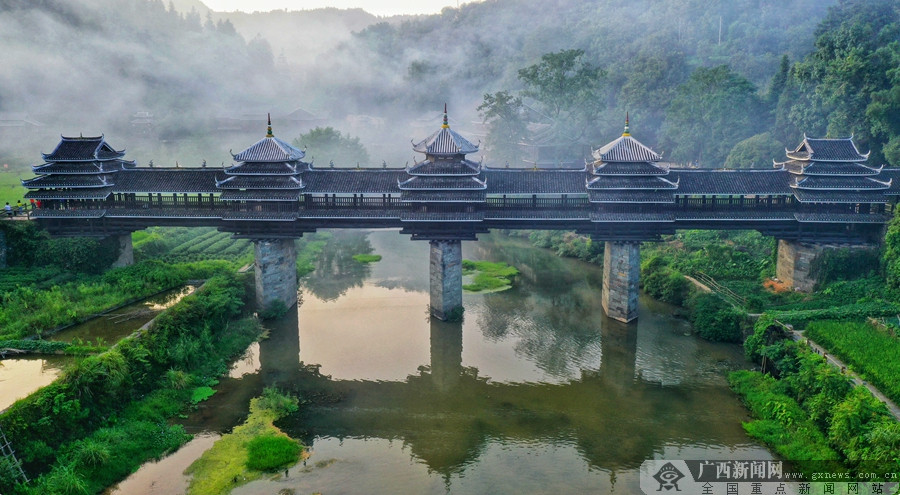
(377, 7)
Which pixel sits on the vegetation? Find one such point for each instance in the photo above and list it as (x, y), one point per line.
(183, 244)
(704, 105)
(661, 281)
(808, 410)
(872, 353)
(269, 453)
(488, 276)
(107, 414)
(329, 145)
(782, 423)
(566, 244)
(367, 258)
(27, 310)
(51, 347)
(250, 449)
(715, 319)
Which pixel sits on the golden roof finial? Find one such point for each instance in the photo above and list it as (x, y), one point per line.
(269, 130)
(446, 124)
(627, 130)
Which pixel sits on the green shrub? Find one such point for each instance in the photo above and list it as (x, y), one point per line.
(270, 453)
(715, 319)
(200, 394)
(274, 310)
(854, 421)
(782, 423)
(65, 480)
(281, 403)
(91, 452)
(367, 258)
(662, 282)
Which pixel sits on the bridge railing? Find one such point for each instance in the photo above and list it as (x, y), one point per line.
(709, 205)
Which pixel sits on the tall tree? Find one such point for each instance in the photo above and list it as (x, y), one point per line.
(710, 113)
(502, 112)
(567, 88)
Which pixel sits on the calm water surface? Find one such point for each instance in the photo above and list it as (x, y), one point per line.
(535, 392)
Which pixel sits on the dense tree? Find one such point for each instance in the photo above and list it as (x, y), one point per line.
(845, 86)
(502, 112)
(891, 257)
(329, 145)
(567, 89)
(755, 152)
(710, 113)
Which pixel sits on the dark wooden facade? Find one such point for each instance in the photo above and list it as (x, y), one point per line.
(824, 193)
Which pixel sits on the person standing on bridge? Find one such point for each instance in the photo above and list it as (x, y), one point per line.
(8, 209)
(19, 207)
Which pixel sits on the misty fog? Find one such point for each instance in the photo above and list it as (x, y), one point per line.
(177, 82)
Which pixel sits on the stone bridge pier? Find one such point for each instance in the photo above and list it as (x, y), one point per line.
(126, 251)
(796, 261)
(621, 276)
(275, 270)
(445, 276)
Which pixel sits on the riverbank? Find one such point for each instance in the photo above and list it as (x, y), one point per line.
(107, 414)
(810, 411)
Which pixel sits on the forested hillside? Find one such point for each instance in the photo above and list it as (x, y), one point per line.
(709, 83)
(89, 65)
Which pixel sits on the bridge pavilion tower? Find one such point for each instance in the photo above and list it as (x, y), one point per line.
(263, 192)
(832, 186)
(625, 184)
(76, 180)
(443, 194)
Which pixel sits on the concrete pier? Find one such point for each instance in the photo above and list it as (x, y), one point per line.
(621, 275)
(446, 279)
(275, 269)
(126, 251)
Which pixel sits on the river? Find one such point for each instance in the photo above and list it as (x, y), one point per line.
(535, 392)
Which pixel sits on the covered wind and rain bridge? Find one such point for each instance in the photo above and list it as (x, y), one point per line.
(823, 195)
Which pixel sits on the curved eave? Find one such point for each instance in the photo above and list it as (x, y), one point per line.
(669, 185)
(878, 186)
(403, 186)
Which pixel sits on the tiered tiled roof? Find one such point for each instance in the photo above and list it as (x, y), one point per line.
(78, 168)
(733, 182)
(445, 176)
(832, 171)
(269, 170)
(626, 171)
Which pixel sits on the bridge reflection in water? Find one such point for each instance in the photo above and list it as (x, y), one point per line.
(536, 369)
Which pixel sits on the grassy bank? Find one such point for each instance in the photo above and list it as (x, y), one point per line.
(108, 413)
(27, 310)
(873, 354)
(807, 410)
(250, 450)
